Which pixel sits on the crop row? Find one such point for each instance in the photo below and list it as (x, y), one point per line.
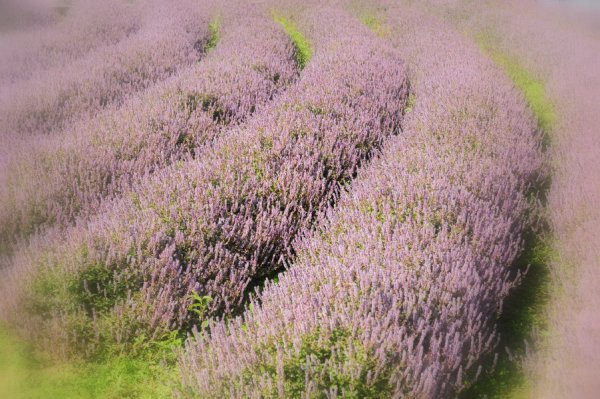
(68, 175)
(174, 38)
(88, 25)
(395, 294)
(209, 227)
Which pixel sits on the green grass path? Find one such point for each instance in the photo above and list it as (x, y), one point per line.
(23, 376)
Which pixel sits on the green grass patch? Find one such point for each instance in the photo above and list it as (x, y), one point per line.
(372, 16)
(215, 33)
(24, 374)
(532, 88)
(523, 312)
(375, 23)
(304, 50)
(410, 103)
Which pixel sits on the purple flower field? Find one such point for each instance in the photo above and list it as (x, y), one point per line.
(203, 199)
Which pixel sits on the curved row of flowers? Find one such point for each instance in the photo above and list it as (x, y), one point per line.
(173, 37)
(87, 26)
(68, 175)
(396, 292)
(213, 224)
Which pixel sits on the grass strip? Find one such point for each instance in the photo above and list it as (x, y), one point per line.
(24, 374)
(302, 44)
(532, 87)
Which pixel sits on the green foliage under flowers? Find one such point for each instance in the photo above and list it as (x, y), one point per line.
(322, 353)
(199, 306)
